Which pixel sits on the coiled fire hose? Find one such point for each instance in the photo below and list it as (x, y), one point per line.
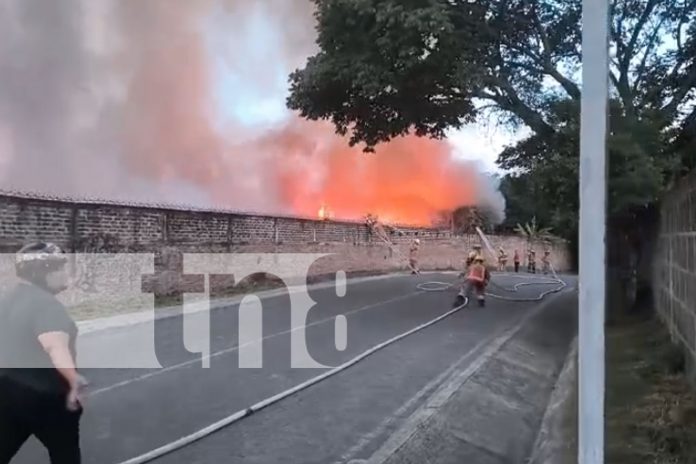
(436, 286)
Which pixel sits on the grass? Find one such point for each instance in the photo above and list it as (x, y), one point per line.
(650, 406)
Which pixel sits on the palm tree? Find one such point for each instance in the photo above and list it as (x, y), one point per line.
(532, 232)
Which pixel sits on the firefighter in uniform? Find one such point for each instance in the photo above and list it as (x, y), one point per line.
(477, 279)
(502, 260)
(473, 255)
(531, 262)
(413, 257)
(470, 258)
(546, 262)
(377, 228)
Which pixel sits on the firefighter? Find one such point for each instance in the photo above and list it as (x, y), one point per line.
(413, 257)
(471, 257)
(546, 262)
(477, 279)
(377, 228)
(531, 261)
(476, 252)
(516, 260)
(502, 260)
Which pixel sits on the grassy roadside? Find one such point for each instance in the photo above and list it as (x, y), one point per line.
(650, 409)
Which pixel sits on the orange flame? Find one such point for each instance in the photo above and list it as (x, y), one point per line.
(302, 168)
(409, 180)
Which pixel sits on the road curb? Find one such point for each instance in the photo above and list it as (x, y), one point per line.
(490, 414)
(552, 443)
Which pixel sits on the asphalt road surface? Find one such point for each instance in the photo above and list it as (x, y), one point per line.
(345, 417)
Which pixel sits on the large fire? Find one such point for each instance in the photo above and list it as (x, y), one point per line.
(409, 180)
(300, 168)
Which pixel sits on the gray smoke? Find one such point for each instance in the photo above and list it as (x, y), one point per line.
(60, 111)
(116, 99)
(43, 78)
(490, 200)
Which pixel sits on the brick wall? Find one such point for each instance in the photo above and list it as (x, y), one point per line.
(112, 228)
(675, 266)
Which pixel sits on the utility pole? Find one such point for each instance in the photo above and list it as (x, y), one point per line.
(593, 188)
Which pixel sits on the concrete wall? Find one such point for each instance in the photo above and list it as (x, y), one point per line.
(675, 266)
(82, 226)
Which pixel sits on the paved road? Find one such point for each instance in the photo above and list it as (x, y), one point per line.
(344, 417)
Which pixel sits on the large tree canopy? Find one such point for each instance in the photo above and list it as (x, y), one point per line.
(389, 67)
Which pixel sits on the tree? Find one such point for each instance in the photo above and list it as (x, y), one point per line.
(524, 199)
(387, 67)
(532, 232)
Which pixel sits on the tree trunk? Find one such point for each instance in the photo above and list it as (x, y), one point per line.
(630, 243)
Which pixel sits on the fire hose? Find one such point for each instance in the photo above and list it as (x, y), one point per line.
(436, 286)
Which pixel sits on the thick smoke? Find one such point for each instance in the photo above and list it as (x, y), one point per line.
(118, 99)
(43, 78)
(62, 105)
(489, 198)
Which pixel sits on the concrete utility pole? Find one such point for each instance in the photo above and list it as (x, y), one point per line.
(593, 188)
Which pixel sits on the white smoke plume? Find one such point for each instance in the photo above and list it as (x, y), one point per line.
(489, 198)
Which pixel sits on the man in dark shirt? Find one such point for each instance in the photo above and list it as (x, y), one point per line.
(39, 384)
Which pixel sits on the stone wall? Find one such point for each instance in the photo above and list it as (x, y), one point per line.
(81, 226)
(675, 266)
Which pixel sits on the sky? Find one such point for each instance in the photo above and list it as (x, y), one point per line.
(238, 100)
(255, 95)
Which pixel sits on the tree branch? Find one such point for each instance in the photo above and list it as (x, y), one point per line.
(545, 62)
(648, 50)
(628, 53)
(614, 79)
(509, 101)
(687, 9)
(568, 85)
(687, 84)
(622, 85)
(617, 33)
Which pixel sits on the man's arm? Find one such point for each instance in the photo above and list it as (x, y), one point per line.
(57, 346)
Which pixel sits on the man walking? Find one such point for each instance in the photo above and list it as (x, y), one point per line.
(40, 387)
